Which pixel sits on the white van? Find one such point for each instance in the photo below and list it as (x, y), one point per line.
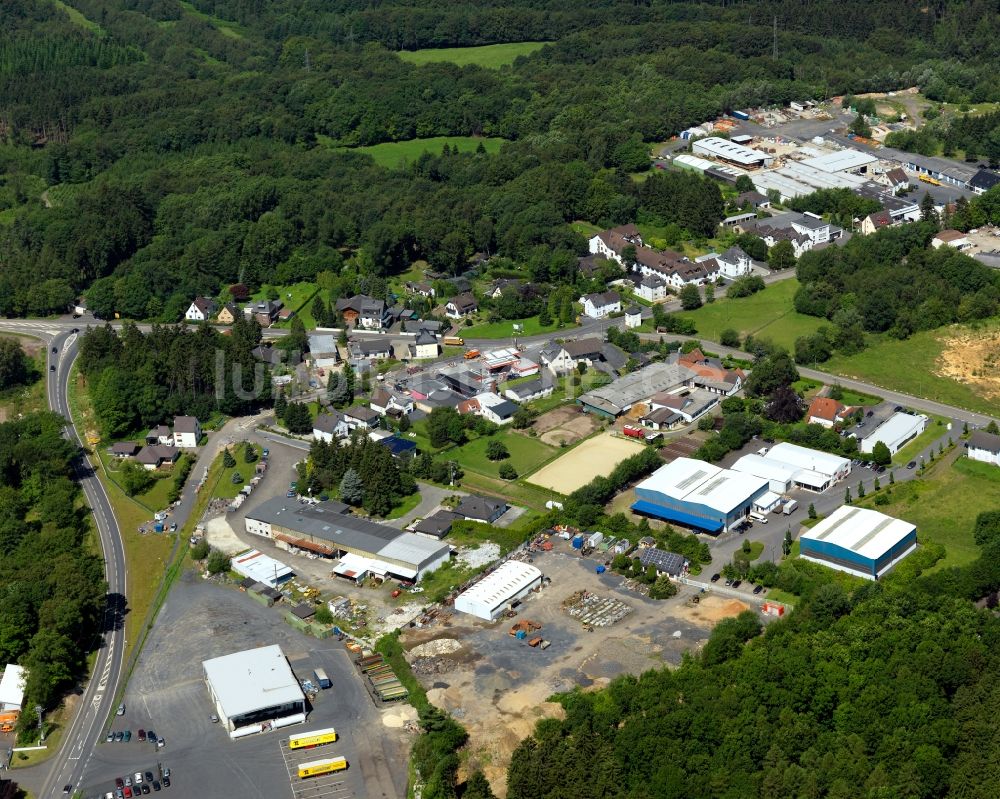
(790, 506)
(758, 517)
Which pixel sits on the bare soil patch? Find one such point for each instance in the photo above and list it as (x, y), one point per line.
(711, 610)
(973, 359)
(565, 426)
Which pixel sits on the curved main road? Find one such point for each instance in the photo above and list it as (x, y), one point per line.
(85, 731)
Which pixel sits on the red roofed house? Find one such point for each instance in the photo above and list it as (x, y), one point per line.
(826, 412)
(951, 238)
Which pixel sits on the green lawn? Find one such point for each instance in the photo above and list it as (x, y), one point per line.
(936, 427)
(855, 398)
(911, 366)
(77, 18)
(768, 314)
(406, 504)
(227, 489)
(31, 397)
(530, 327)
(297, 296)
(585, 228)
(399, 153)
(526, 454)
(491, 56)
(226, 28)
(944, 504)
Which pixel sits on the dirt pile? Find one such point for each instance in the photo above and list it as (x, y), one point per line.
(973, 358)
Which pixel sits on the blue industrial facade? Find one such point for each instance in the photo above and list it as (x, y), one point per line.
(843, 557)
(692, 514)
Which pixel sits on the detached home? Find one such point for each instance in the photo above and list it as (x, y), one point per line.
(227, 315)
(597, 306)
(562, 358)
(951, 238)
(734, 263)
(201, 309)
(610, 243)
(364, 311)
(826, 412)
(461, 305)
(358, 417)
(373, 348)
(875, 222)
(425, 345)
(187, 432)
(984, 447)
(490, 406)
(651, 288)
(330, 426)
(154, 456)
(481, 509)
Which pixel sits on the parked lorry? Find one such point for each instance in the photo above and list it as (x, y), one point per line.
(7, 721)
(790, 506)
(454, 341)
(633, 432)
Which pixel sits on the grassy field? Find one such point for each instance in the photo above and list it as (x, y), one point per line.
(298, 297)
(526, 454)
(226, 28)
(585, 228)
(530, 327)
(768, 314)
(77, 18)
(399, 153)
(910, 366)
(944, 504)
(31, 397)
(491, 56)
(226, 488)
(936, 427)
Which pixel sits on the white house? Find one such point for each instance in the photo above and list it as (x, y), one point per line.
(813, 227)
(187, 432)
(633, 316)
(597, 306)
(651, 288)
(984, 447)
(358, 417)
(951, 238)
(490, 406)
(610, 243)
(560, 359)
(200, 310)
(330, 426)
(734, 263)
(461, 305)
(425, 345)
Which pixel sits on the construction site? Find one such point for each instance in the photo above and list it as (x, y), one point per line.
(577, 628)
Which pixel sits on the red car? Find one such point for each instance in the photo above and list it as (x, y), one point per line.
(142, 735)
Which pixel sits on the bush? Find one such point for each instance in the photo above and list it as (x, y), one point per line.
(729, 338)
(508, 472)
(323, 615)
(135, 478)
(497, 451)
(218, 562)
(663, 588)
(201, 550)
(228, 461)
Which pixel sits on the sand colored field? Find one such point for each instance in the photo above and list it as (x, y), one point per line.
(973, 359)
(711, 610)
(594, 458)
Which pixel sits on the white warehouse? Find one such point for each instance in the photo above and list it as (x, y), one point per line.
(780, 476)
(497, 591)
(732, 153)
(816, 470)
(895, 431)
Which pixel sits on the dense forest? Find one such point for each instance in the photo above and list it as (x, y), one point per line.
(888, 691)
(52, 589)
(159, 150)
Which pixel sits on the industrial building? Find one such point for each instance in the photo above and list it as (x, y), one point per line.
(730, 152)
(329, 530)
(261, 568)
(254, 690)
(613, 400)
(698, 494)
(858, 541)
(780, 476)
(817, 470)
(895, 431)
(499, 590)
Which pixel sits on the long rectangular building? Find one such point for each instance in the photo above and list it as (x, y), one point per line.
(817, 470)
(895, 432)
(699, 495)
(858, 541)
(497, 591)
(327, 529)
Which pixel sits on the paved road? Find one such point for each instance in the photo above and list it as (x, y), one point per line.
(97, 701)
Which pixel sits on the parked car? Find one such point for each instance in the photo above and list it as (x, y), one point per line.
(898, 408)
(911, 465)
(142, 736)
(145, 787)
(156, 785)
(150, 736)
(137, 777)
(128, 792)
(67, 789)
(715, 578)
(166, 781)
(110, 736)
(729, 581)
(128, 736)
(870, 414)
(758, 588)
(119, 782)
(149, 776)
(119, 736)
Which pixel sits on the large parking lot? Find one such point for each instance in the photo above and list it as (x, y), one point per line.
(167, 692)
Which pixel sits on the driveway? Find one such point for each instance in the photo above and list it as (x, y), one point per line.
(431, 497)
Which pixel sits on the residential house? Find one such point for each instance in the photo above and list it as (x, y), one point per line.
(613, 359)
(591, 265)
(364, 311)
(504, 285)
(826, 412)
(227, 314)
(358, 417)
(951, 238)
(875, 222)
(123, 449)
(425, 345)
(239, 292)
(633, 316)
(399, 447)
(752, 199)
(984, 447)
(734, 262)
(420, 289)
(461, 305)
(264, 311)
(460, 284)
(153, 456)
(610, 243)
(563, 358)
(772, 235)
(201, 309)
(895, 179)
(438, 524)
(273, 356)
(529, 390)
(380, 400)
(710, 374)
(330, 426)
(481, 509)
(597, 306)
(323, 350)
(813, 226)
(667, 409)
(651, 288)
(187, 432)
(674, 269)
(160, 435)
(285, 314)
(984, 180)
(490, 406)
(370, 348)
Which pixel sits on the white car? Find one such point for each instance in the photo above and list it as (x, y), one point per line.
(137, 778)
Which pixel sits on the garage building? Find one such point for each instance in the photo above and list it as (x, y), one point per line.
(895, 431)
(254, 690)
(699, 495)
(261, 568)
(497, 591)
(859, 541)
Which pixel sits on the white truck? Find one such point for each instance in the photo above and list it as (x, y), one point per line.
(790, 506)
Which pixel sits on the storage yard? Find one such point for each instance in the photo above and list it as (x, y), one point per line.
(596, 457)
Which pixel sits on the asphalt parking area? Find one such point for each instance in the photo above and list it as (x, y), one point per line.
(167, 692)
(338, 785)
